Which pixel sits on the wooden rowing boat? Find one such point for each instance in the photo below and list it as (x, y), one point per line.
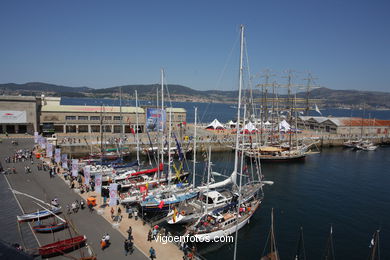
(61, 247)
(50, 228)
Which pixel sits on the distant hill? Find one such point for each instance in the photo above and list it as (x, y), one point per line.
(352, 97)
(332, 98)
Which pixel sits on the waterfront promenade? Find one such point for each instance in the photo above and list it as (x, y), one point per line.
(40, 185)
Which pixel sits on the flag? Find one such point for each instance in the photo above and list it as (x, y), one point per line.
(98, 183)
(64, 161)
(317, 110)
(132, 130)
(87, 174)
(113, 194)
(161, 205)
(36, 137)
(49, 150)
(174, 215)
(57, 155)
(75, 167)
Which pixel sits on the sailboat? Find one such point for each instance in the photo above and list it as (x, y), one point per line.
(272, 251)
(300, 254)
(374, 247)
(39, 214)
(230, 219)
(329, 250)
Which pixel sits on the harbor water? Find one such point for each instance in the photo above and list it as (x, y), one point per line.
(340, 187)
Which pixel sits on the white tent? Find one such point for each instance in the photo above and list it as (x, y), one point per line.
(250, 127)
(215, 125)
(284, 126)
(231, 124)
(267, 123)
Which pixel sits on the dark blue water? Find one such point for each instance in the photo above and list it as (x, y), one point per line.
(223, 112)
(345, 188)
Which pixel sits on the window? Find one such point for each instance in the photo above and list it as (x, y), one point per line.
(70, 117)
(117, 118)
(83, 118)
(95, 118)
(108, 118)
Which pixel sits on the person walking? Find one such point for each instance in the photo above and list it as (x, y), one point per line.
(152, 253)
(129, 231)
(126, 247)
(112, 213)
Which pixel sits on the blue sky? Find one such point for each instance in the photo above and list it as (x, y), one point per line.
(346, 44)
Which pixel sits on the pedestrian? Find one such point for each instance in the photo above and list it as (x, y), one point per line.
(103, 243)
(152, 253)
(129, 231)
(112, 213)
(126, 247)
(150, 235)
(107, 239)
(90, 206)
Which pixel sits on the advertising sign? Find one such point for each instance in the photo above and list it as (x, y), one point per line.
(155, 119)
(12, 117)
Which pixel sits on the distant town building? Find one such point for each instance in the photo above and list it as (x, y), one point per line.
(19, 114)
(344, 125)
(27, 114)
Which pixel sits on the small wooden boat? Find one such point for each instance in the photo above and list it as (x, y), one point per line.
(50, 228)
(61, 247)
(39, 214)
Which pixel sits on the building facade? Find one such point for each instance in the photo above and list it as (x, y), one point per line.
(19, 114)
(90, 119)
(345, 125)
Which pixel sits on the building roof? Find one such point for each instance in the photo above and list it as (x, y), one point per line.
(18, 98)
(364, 122)
(347, 121)
(90, 109)
(176, 110)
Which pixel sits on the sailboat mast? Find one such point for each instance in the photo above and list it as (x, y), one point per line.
(238, 125)
(136, 124)
(239, 99)
(194, 166)
(169, 147)
(208, 180)
(101, 130)
(121, 122)
(161, 118)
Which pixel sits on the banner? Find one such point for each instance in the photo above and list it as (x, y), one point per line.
(75, 167)
(113, 194)
(49, 150)
(155, 119)
(64, 160)
(12, 117)
(87, 174)
(36, 137)
(57, 155)
(98, 183)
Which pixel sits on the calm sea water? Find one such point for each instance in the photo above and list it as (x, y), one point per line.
(344, 188)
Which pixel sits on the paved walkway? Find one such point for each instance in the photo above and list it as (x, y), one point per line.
(40, 185)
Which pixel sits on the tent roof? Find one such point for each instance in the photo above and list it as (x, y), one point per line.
(249, 127)
(284, 125)
(215, 124)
